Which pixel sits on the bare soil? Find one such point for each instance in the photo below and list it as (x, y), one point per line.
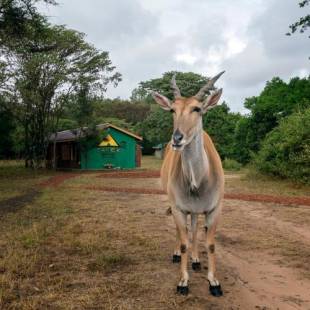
(13, 204)
(89, 245)
(59, 179)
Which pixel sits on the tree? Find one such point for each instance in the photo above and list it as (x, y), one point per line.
(285, 151)
(242, 140)
(304, 22)
(122, 109)
(188, 82)
(276, 101)
(220, 124)
(52, 64)
(155, 129)
(7, 127)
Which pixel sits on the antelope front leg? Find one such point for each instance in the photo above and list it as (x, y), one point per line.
(215, 287)
(181, 224)
(176, 258)
(195, 259)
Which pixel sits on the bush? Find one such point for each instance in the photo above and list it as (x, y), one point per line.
(285, 151)
(231, 164)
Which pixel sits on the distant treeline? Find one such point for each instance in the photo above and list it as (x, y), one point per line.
(274, 135)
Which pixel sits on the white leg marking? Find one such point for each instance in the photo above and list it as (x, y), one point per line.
(213, 281)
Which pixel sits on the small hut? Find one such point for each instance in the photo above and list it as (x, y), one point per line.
(117, 148)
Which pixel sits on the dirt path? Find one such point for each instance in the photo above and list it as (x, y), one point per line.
(255, 276)
(267, 255)
(263, 251)
(15, 203)
(263, 263)
(60, 179)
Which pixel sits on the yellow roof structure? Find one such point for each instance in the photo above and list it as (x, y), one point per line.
(108, 141)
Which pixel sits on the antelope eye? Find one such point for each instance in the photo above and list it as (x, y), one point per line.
(196, 109)
(172, 111)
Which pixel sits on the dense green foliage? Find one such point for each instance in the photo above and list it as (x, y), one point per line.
(188, 82)
(131, 113)
(43, 69)
(231, 165)
(285, 151)
(89, 110)
(220, 124)
(239, 138)
(155, 129)
(51, 79)
(277, 101)
(7, 126)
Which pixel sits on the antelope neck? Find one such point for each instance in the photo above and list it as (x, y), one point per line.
(195, 160)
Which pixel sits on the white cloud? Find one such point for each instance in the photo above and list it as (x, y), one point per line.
(146, 38)
(187, 58)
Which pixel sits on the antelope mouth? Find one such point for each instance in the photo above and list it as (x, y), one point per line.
(177, 147)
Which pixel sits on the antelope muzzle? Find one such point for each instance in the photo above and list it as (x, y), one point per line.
(177, 139)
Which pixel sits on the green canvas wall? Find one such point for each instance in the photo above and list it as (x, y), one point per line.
(123, 156)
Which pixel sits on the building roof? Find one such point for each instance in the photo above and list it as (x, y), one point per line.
(74, 134)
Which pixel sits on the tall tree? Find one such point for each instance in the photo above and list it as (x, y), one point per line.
(285, 151)
(7, 127)
(51, 64)
(220, 124)
(277, 101)
(21, 24)
(303, 23)
(188, 82)
(121, 109)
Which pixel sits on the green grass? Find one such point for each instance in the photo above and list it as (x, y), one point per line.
(246, 181)
(108, 261)
(16, 180)
(151, 162)
(74, 247)
(231, 165)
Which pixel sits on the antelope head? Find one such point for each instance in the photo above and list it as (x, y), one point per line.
(187, 112)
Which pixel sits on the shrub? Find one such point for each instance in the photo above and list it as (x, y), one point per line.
(231, 164)
(285, 151)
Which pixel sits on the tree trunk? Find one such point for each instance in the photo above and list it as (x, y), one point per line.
(26, 146)
(54, 164)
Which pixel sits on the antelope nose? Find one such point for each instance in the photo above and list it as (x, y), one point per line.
(177, 137)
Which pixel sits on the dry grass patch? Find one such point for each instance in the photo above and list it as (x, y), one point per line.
(249, 182)
(24, 237)
(71, 248)
(94, 180)
(151, 162)
(257, 232)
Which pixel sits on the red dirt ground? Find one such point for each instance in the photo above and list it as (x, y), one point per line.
(59, 179)
(131, 174)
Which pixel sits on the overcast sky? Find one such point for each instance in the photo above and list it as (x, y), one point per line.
(146, 38)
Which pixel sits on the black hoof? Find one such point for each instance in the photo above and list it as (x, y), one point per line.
(196, 266)
(176, 258)
(183, 290)
(216, 290)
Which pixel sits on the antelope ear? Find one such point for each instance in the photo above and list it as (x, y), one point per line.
(212, 100)
(163, 101)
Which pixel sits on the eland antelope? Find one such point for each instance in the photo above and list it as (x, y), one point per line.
(192, 175)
